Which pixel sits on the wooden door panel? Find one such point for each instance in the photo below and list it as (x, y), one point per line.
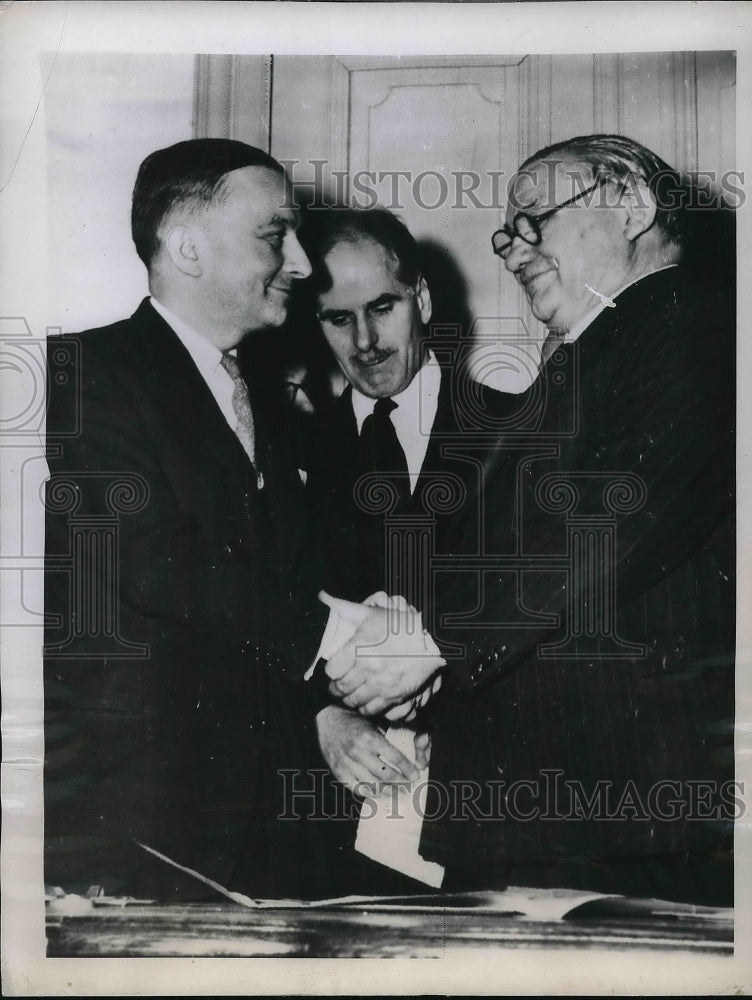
(438, 144)
(437, 139)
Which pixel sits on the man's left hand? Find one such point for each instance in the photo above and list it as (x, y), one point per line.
(388, 660)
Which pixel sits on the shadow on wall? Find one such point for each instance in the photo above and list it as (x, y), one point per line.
(449, 288)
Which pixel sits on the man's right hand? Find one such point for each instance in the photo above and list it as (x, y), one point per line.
(358, 754)
(389, 660)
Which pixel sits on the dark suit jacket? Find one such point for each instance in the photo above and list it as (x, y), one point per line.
(354, 543)
(644, 398)
(172, 669)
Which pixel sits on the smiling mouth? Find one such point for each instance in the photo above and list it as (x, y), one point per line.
(526, 280)
(529, 284)
(373, 362)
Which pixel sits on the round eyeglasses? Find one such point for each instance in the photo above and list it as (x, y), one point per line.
(527, 227)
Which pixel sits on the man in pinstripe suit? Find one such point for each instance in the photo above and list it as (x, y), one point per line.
(594, 715)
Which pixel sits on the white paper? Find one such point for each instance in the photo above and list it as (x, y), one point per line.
(389, 829)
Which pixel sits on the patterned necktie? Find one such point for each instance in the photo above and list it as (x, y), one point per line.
(241, 404)
(381, 451)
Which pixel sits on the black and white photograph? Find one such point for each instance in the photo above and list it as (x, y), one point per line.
(375, 503)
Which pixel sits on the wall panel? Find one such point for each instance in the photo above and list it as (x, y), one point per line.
(439, 116)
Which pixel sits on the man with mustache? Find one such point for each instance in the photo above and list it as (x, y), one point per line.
(387, 454)
(168, 668)
(599, 700)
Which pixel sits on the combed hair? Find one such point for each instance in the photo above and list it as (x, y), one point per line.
(623, 159)
(190, 173)
(352, 225)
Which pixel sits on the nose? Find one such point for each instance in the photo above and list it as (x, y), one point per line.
(519, 254)
(364, 336)
(296, 263)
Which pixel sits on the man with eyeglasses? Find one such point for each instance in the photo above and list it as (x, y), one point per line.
(595, 703)
(565, 243)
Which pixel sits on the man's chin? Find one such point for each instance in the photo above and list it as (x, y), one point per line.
(276, 317)
(375, 388)
(372, 391)
(542, 311)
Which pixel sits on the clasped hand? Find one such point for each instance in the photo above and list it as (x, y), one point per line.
(390, 663)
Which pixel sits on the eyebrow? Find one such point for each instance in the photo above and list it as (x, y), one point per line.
(381, 300)
(277, 221)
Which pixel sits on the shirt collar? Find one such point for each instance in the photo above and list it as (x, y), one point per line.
(425, 386)
(579, 328)
(206, 356)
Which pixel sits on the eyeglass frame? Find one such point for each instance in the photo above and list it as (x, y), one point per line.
(535, 221)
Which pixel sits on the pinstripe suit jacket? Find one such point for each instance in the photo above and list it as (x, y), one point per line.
(603, 649)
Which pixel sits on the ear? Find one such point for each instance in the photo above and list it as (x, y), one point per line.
(181, 246)
(640, 206)
(423, 298)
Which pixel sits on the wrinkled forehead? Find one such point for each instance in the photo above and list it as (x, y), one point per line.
(544, 184)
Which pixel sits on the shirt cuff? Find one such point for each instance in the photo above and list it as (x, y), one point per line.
(337, 632)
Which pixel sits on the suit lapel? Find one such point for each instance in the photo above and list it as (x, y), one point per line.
(170, 374)
(448, 430)
(342, 449)
(443, 425)
(282, 496)
(346, 424)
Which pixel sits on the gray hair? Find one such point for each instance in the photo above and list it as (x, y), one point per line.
(621, 159)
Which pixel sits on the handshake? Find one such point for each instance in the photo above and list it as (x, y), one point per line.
(389, 664)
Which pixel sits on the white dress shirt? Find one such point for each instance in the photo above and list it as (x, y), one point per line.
(207, 358)
(413, 417)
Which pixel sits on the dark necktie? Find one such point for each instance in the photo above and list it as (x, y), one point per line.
(381, 451)
(241, 404)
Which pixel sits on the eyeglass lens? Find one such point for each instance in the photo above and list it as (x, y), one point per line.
(523, 226)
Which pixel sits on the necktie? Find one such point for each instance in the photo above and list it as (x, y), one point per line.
(551, 344)
(241, 404)
(381, 451)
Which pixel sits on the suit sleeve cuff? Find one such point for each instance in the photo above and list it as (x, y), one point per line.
(316, 690)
